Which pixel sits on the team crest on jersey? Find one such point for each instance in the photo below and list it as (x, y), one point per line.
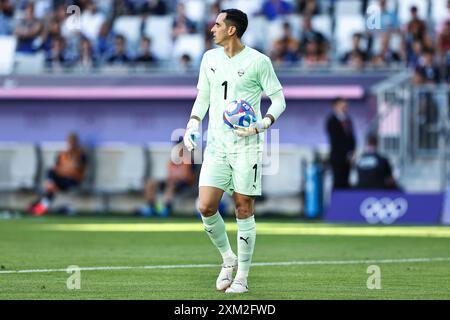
(241, 72)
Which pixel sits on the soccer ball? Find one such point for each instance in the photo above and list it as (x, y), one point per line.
(239, 113)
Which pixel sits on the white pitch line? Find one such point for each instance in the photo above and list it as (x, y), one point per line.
(255, 264)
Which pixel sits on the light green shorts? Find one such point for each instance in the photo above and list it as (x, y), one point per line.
(232, 172)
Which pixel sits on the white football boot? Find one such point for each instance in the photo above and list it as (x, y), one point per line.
(238, 286)
(226, 275)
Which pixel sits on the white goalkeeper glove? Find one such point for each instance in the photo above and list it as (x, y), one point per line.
(254, 128)
(192, 134)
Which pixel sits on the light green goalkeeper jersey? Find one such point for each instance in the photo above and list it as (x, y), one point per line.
(244, 76)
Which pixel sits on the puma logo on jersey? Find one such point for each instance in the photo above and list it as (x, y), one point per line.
(213, 70)
(209, 231)
(246, 240)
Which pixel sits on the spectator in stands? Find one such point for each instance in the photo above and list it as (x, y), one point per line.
(374, 170)
(91, 21)
(285, 50)
(310, 35)
(67, 174)
(443, 47)
(185, 63)
(356, 50)
(180, 176)
(146, 56)
(389, 20)
(272, 9)
(416, 26)
(155, 7)
(413, 55)
(342, 141)
(58, 59)
(52, 30)
(181, 24)
(440, 26)
(28, 30)
(307, 7)
(118, 56)
(6, 17)
(386, 56)
(314, 55)
(87, 59)
(429, 68)
(104, 44)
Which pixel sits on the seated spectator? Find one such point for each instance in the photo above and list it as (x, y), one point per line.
(356, 61)
(272, 9)
(179, 177)
(413, 55)
(307, 7)
(146, 56)
(104, 44)
(87, 59)
(443, 43)
(67, 174)
(429, 68)
(416, 26)
(310, 35)
(181, 24)
(185, 63)
(28, 30)
(6, 17)
(57, 58)
(356, 48)
(386, 56)
(285, 49)
(314, 56)
(52, 30)
(118, 55)
(374, 170)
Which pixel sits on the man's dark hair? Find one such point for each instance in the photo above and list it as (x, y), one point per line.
(236, 18)
(372, 140)
(338, 100)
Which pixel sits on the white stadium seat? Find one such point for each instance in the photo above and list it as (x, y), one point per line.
(346, 26)
(191, 44)
(287, 170)
(322, 23)
(159, 154)
(129, 27)
(195, 10)
(345, 7)
(119, 167)
(18, 166)
(159, 29)
(8, 45)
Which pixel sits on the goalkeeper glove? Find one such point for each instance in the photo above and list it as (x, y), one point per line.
(192, 134)
(254, 128)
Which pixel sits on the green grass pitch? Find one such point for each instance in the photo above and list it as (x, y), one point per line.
(321, 261)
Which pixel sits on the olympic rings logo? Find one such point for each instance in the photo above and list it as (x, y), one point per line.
(384, 210)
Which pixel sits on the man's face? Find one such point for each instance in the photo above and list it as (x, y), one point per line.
(220, 30)
(342, 106)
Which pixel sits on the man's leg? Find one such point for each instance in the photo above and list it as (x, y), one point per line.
(246, 238)
(42, 205)
(149, 209)
(209, 199)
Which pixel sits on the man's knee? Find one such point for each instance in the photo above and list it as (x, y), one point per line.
(207, 209)
(244, 210)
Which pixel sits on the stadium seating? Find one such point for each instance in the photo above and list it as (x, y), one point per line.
(18, 166)
(191, 44)
(8, 45)
(348, 7)
(345, 26)
(129, 27)
(159, 29)
(119, 168)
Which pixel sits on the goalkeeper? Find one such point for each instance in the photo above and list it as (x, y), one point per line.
(233, 157)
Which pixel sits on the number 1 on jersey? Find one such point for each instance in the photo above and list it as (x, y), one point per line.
(225, 84)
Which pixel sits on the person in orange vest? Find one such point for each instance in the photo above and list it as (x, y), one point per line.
(68, 173)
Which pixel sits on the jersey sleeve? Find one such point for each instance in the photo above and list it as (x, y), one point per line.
(268, 80)
(203, 81)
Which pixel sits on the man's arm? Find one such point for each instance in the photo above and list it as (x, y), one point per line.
(199, 108)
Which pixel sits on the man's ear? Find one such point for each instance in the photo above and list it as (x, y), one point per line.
(231, 30)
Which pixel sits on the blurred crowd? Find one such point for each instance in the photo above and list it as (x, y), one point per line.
(47, 26)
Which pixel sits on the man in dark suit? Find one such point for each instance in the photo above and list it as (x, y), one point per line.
(342, 141)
